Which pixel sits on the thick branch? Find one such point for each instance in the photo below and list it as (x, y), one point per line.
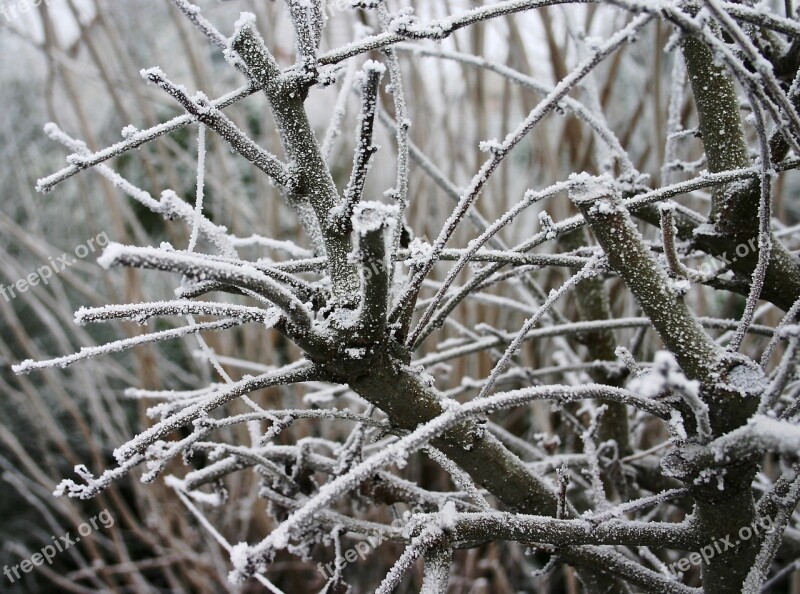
(372, 222)
(540, 529)
(372, 72)
(313, 176)
(611, 224)
(205, 112)
(735, 207)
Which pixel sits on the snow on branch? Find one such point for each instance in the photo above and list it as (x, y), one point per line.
(79, 162)
(371, 76)
(297, 372)
(761, 433)
(141, 312)
(313, 176)
(204, 111)
(373, 223)
(499, 150)
(198, 267)
(120, 345)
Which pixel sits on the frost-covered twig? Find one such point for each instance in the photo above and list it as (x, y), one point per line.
(785, 372)
(298, 372)
(399, 192)
(772, 541)
(371, 72)
(764, 232)
(80, 162)
(307, 19)
(499, 150)
(334, 127)
(204, 111)
(676, 267)
(242, 276)
(775, 339)
(169, 206)
(599, 127)
(538, 529)
(436, 29)
(588, 270)
(192, 12)
(430, 537)
(141, 312)
(566, 329)
(120, 345)
(461, 478)
(528, 199)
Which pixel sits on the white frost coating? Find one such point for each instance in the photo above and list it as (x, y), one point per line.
(120, 345)
(288, 247)
(200, 187)
(706, 230)
(200, 408)
(240, 559)
(371, 216)
(448, 515)
(203, 267)
(110, 255)
(212, 499)
(355, 353)
(141, 312)
(585, 186)
(420, 252)
(548, 226)
(374, 66)
(667, 206)
(765, 433)
(747, 380)
(666, 375)
(603, 206)
(680, 286)
(676, 423)
(245, 20)
(488, 146)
